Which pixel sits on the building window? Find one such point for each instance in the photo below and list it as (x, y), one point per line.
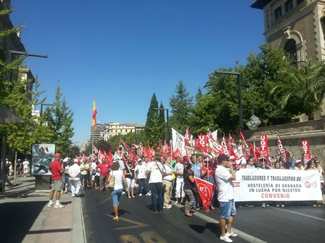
(290, 49)
(278, 13)
(300, 1)
(288, 6)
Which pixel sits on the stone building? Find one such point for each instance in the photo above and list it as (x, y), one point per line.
(297, 26)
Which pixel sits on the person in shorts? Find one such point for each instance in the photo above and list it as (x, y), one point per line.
(118, 176)
(56, 169)
(224, 178)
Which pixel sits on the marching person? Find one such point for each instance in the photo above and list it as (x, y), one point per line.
(179, 170)
(130, 181)
(155, 173)
(189, 187)
(84, 168)
(25, 167)
(56, 169)
(117, 175)
(227, 210)
(103, 173)
(74, 178)
(167, 182)
(141, 177)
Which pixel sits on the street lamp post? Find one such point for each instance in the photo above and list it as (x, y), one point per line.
(240, 103)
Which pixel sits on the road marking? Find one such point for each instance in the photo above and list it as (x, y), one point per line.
(129, 239)
(301, 214)
(241, 234)
(136, 224)
(152, 237)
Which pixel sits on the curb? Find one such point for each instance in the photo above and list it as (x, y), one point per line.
(78, 232)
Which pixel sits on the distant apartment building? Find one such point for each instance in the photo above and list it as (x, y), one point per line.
(109, 130)
(115, 129)
(296, 26)
(97, 132)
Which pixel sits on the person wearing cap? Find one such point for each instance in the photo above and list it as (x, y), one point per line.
(224, 178)
(74, 178)
(56, 169)
(141, 177)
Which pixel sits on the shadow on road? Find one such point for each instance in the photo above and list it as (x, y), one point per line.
(17, 218)
(214, 228)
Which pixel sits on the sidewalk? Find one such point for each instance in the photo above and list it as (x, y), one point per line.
(24, 186)
(29, 220)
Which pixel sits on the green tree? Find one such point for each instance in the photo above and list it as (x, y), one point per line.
(261, 74)
(60, 119)
(181, 106)
(152, 128)
(74, 151)
(20, 96)
(161, 121)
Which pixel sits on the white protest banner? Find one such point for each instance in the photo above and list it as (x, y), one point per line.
(178, 142)
(277, 185)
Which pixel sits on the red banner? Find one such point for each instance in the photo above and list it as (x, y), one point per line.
(206, 190)
(306, 149)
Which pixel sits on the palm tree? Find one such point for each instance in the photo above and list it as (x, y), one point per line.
(304, 89)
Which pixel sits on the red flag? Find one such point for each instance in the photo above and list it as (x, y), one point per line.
(264, 152)
(148, 153)
(187, 137)
(254, 151)
(306, 148)
(224, 146)
(109, 158)
(206, 190)
(165, 150)
(101, 156)
(201, 143)
(282, 150)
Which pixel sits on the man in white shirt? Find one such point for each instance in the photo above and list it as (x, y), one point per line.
(26, 167)
(140, 171)
(224, 177)
(74, 178)
(167, 182)
(179, 170)
(155, 171)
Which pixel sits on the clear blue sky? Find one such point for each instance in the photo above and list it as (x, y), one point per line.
(120, 52)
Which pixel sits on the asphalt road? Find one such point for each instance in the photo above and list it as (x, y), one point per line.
(139, 224)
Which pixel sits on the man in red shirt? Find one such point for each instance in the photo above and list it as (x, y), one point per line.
(56, 169)
(103, 170)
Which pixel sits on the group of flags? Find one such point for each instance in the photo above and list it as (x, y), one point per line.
(209, 144)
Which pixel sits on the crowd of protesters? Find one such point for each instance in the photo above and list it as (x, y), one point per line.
(167, 181)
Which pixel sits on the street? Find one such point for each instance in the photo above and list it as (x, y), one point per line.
(139, 224)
